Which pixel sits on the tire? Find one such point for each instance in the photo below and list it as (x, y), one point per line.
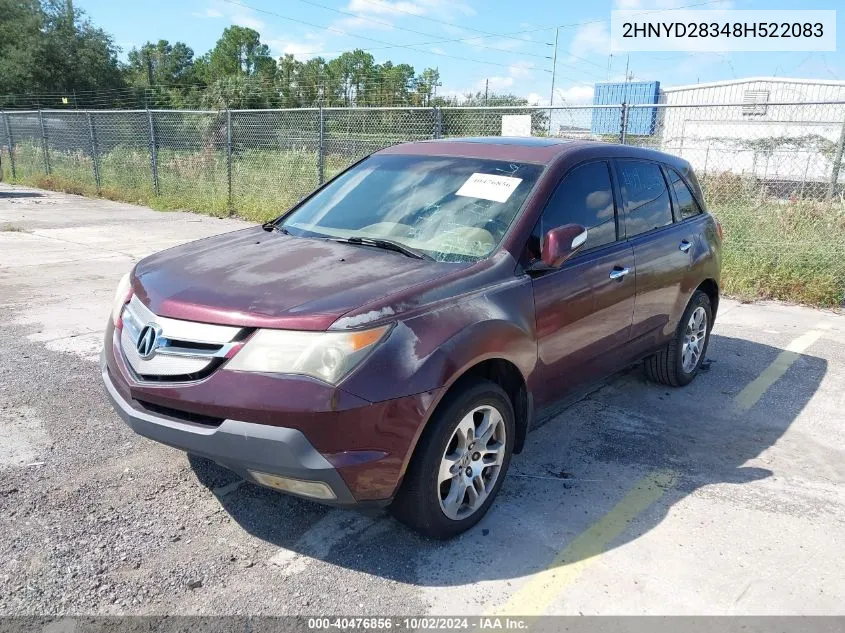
(667, 366)
(439, 509)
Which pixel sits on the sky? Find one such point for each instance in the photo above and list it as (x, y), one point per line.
(505, 46)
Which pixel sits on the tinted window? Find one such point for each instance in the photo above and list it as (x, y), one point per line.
(687, 206)
(644, 195)
(585, 197)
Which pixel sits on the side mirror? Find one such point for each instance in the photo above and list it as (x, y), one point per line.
(562, 243)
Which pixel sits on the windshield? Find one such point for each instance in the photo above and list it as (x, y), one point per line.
(452, 209)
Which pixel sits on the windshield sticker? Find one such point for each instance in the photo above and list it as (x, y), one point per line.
(489, 187)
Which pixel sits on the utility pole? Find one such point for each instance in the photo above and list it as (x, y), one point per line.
(486, 86)
(554, 68)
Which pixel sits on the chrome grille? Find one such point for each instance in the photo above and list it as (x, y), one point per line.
(183, 348)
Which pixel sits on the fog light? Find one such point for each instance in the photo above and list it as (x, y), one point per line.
(315, 489)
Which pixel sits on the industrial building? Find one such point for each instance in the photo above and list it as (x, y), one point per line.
(786, 133)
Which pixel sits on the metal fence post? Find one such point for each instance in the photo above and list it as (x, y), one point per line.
(321, 151)
(438, 123)
(44, 143)
(153, 153)
(804, 179)
(95, 155)
(837, 165)
(623, 123)
(11, 145)
(229, 159)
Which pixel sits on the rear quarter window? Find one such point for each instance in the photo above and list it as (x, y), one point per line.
(687, 205)
(645, 197)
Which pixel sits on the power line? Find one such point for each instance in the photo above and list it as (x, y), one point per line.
(462, 39)
(401, 28)
(466, 28)
(522, 32)
(364, 37)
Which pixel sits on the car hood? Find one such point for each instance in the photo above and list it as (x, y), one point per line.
(257, 278)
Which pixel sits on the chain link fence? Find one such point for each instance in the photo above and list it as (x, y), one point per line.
(772, 173)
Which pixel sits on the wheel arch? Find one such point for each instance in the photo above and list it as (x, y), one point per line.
(711, 289)
(498, 370)
(508, 376)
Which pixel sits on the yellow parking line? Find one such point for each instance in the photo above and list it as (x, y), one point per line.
(749, 396)
(538, 593)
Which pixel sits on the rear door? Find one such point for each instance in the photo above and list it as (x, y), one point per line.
(662, 251)
(584, 309)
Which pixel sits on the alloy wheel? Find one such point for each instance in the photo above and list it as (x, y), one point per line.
(471, 463)
(694, 335)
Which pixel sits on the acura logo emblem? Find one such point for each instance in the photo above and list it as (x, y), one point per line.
(148, 342)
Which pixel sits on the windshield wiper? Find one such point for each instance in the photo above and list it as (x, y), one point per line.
(388, 245)
(272, 226)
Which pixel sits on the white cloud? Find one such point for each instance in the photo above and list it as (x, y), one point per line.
(350, 24)
(250, 22)
(520, 70)
(385, 7)
(304, 48)
(397, 8)
(300, 51)
(591, 38)
(647, 5)
(516, 71)
(535, 99)
(575, 94)
(208, 13)
(494, 83)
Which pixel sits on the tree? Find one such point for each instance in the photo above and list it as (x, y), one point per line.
(396, 83)
(76, 55)
(354, 74)
(426, 85)
(236, 92)
(240, 52)
(161, 63)
(21, 44)
(287, 73)
(50, 47)
(314, 83)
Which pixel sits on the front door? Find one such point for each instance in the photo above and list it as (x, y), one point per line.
(584, 309)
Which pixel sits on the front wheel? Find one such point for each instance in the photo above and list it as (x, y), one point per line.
(460, 462)
(678, 363)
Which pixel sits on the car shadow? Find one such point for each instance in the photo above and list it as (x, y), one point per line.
(573, 471)
(21, 194)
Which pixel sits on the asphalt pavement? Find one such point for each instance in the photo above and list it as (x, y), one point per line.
(724, 497)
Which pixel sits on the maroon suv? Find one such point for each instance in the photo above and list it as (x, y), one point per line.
(391, 339)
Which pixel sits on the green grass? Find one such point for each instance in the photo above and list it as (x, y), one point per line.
(792, 251)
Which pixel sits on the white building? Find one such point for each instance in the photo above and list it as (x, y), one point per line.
(780, 132)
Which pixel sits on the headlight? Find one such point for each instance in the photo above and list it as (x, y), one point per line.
(124, 291)
(328, 356)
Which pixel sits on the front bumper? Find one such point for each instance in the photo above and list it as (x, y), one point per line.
(239, 446)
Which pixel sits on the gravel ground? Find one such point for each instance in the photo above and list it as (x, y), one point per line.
(97, 520)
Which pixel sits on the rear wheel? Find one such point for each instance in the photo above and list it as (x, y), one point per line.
(678, 363)
(460, 462)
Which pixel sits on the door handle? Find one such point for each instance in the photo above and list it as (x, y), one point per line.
(618, 273)
(685, 246)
